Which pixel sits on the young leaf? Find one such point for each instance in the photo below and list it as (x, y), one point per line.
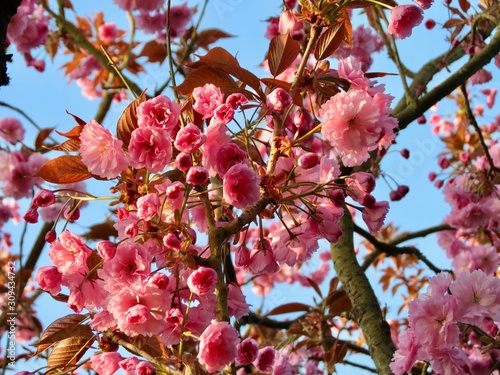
(71, 145)
(289, 308)
(43, 134)
(78, 120)
(154, 51)
(64, 170)
(283, 50)
(338, 302)
(74, 133)
(204, 75)
(330, 40)
(68, 352)
(127, 122)
(206, 37)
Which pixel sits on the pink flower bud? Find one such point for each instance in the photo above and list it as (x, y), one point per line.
(31, 216)
(202, 281)
(44, 198)
(197, 175)
(432, 176)
(443, 162)
(106, 249)
(430, 24)
(183, 161)
(309, 160)
(421, 120)
(172, 241)
(235, 100)
(160, 280)
(131, 230)
(278, 100)
(122, 214)
(50, 236)
(405, 153)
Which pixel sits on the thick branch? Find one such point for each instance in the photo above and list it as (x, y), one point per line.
(366, 311)
(410, 113)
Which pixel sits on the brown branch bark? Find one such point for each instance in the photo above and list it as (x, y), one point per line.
(366, 311)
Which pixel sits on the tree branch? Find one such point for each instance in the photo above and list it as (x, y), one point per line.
(407, 114)
(366, 311)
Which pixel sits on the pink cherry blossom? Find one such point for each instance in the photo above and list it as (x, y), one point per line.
(224, 113)
(101, 152)
(145, 368)
(129, 364)
(278, 100)
(206, 99)
(406, 355)
(49, 279)
(107, 32)
(374, 216)
(265, 359)
(148, 206)
(106, 363)
(248, 350)
(197, 175)
(106, 249)
(262, 261)
(288, 23)
(202, 281)
(159, 112)
(69, 253)
(28, 28)
(228, 155)
(11, 130)
(241, 186)
(189, 138)
(150, 148)
(236, 302)
(218, 346)
(403, 19)
(352, 125)
(44, 198)
(236, 100)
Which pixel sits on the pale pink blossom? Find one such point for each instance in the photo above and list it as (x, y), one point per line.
(11, 130)
(49, 279)
(278, 100)
(241, 186)
(202, 281)
(69, 253)
(148, 206)
(101, 152)
(262, 261)
(206, 99)
(28, 28)
(145, 368)
(139, 310)
(107, 32)
(159, 112)
(236, 302)
(480, 77)
(353, 125)
(289, 23)
(218, 346)
(106, 363)
(189, 138)
(85, 68)
(406, 354)
(89, 90)
(151, 23)
(403, 19)
(150, 148)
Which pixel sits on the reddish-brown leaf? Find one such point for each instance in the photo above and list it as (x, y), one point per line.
(283, 50)
(218, 57)
(67, 353)
(127, 122)
(204, 75)
(52, 44)
(315, 286)
(154, 51)
(206, 37)
(452, 22)
(338, 302)
(289, 308)
(71, 145)
(60, 329)
(464, 5)
(330, 40)
(64, 169)
(102, 231)
(43, 134)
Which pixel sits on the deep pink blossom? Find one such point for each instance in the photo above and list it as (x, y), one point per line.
(11, 130)
(107, 32)
(197, 175)
(159, 112)
(218, 346)
(150, 148)
(202, 281)
(265, 359)
(236, 100)
(206, 99)
(403, 19)
(69, 253)
(44, 198)
(248, 350)
(106, 249)
(241, 186)
(189, 138)
(228, 155)
(101, 152)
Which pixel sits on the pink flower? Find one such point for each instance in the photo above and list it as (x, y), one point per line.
(218, 346)
(228, 155)
(148, 206)
(236, 302)
(278, 100)
(288, 23)
(189, 138)
(106, 363)
(480, 77)
(129, 364)
(49, 279)
(101, 152)
(353, 125)
(424, 4)
(265, 359)
(236, 100)
(403, 19)
(248, 350)
(207, 99)
(69, 254)
(406, 355)
(159, 112)
(106, 249)
(197, 175)
(145, 368)
(107, 32)
(202, 281)
(374, 216)
(263, 261)
(241, 186)
(28, 28)
(139, 310)
(224, 113)
(85, 68)
(44, 198)
(150, 148)
(11, 130)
